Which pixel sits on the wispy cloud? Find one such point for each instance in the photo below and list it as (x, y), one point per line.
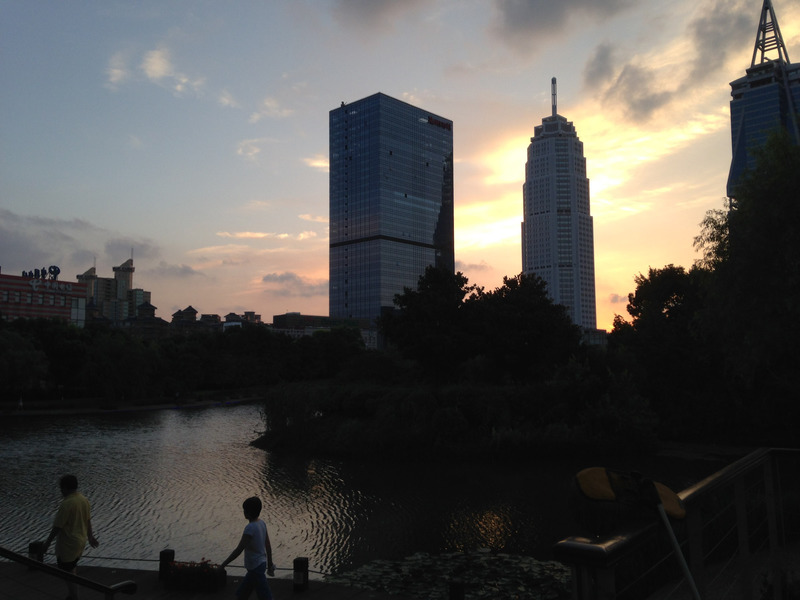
(117, 71)
(318, 161)
(250, 149)
(262, 235)
(271, 108)
(314, 218)
(292, 284)
(227, 100)
(158, 68)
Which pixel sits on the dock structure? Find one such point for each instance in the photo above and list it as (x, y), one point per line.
(17, 581)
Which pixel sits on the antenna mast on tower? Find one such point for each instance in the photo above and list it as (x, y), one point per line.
(554, 95)
(769, 36)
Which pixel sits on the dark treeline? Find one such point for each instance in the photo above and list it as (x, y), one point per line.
(49, 360)
(705, 354)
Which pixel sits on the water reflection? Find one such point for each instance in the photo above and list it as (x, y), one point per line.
(176, 479)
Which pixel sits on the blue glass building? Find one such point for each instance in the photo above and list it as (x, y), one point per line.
(765, 99)
(391, 202)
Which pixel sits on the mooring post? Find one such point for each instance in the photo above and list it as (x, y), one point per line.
(165, 558)
(36, 552)
(300, 567)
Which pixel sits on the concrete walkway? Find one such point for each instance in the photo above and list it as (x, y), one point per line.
(17, 582)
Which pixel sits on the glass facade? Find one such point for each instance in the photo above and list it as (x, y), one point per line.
(557, 230)
(765, 99)
(391, 202)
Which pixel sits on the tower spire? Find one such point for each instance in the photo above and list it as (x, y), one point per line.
(768, 36)
(554, 95)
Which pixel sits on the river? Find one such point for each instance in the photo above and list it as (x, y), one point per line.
(176, 479)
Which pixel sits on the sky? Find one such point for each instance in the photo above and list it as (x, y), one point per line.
(193, 136)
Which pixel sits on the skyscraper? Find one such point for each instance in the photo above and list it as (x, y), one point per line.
(557, 230)
(391, 202)
(765, 99)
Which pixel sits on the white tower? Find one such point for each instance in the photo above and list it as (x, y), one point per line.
(557, 229)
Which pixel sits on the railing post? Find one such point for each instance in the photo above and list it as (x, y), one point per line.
(694, 527)
(772, 527)
(605, 584)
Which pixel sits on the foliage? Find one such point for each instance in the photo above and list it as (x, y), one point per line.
(714, 348)
(452, 329)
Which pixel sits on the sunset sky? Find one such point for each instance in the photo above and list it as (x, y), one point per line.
(195, 134)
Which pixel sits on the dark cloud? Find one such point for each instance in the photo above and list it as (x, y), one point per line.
(373, 16)
(599, 69)
(74, 245)
(717, 33)
(32, 242)
(481, 266)
(167, 271)
(292, 284)
(618, 298)
(521, 22)
(639, 92)
(121, 249)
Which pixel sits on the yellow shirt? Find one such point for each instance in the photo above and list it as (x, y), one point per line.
(72, 519)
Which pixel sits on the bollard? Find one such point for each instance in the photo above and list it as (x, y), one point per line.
(456, 590)
(36, 552)
(300, 566)
(165, 559)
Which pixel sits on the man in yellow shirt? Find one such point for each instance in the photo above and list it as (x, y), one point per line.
(71, 528)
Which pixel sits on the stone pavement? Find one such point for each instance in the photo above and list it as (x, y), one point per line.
(17, 582)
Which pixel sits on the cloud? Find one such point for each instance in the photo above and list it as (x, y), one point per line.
(717, 33)
(156, 64)
(250, 149)
(123, 248)
(117, 71)
(373, 17)
(291, 284)
(599, 69)
(318, 161)
(271, 108)
(227, 100)
(481, 266)
(165, 270)
(521, 23)
(158, 68)
(639, 91)
(618, 298)
(261, 235)
(72, 244)
(315, 219)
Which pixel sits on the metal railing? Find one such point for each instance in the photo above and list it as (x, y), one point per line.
(739, 522)
(124, 587)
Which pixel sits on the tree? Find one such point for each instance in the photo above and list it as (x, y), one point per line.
(755, 290)
(429, 324)
(664, 347)
(521, 331)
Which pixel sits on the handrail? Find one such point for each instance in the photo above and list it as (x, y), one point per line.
(124, 587)
(596, 561)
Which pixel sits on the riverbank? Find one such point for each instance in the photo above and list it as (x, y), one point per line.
(89, 407)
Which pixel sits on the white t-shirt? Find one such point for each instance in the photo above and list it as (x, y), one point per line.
(255, 553)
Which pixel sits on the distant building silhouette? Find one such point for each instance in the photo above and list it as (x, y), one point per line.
(113, 299)
(391, 202)
(765, 99)
(557, 228)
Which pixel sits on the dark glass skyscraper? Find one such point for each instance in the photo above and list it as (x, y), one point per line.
(391, 202)
(765, 99)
